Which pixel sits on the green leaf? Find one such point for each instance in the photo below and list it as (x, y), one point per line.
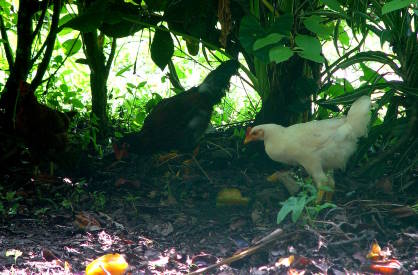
(395, 5)
(298, 208)
(280, 53)
(77, 104)
(126, 68)
(91, 19)
(333, 5)
(286, 209)
(343, 36)
(370, 75)
(162, 48)
(282, 25)
(270, 39)
(315, 25)
(311, 48)
(71, 46)
(294, 205)
(249, 31)
(64, 88)
(376, 56)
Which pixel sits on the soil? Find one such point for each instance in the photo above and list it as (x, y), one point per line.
(165, 214)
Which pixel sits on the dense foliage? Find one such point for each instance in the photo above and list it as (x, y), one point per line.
(292, 54)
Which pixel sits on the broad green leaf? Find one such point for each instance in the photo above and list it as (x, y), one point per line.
(287, 207)
(395, 5)
(298, 208)
(91, 19)
(335, 90)
(141, 84)
(282, 25)
(310, 46)
(140, 117)
(250, 30)
(334, 5)
(64, 88)
(280, 53)
(66, 18)
(270, 39)
(315, 25)
(77, 104)
(308, 43)
(370, 75)
(71, 46)
(162, 48)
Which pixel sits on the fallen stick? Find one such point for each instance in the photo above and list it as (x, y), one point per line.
(249, 251)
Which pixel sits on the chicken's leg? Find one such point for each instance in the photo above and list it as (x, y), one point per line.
(319, 177)
(331, 185)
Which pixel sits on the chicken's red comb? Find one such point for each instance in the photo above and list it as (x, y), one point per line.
(248, 131)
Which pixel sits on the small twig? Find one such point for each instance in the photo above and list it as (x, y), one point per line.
(220, 147)
(273, 236)
(345, 242)
(202, 170)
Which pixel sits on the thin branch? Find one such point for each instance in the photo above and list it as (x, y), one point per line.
(269, 239)
(110, 58)
(61, 64)
(41, 19)
(7, 49)
(49, 42)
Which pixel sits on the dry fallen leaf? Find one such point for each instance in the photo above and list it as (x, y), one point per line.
(86, 222)
(231, 196)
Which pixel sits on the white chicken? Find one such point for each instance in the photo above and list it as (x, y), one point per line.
(320, 146)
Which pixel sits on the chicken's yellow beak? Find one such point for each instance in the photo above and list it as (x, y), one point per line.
(248, 137)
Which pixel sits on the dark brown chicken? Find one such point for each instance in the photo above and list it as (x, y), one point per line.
(43, 129)
(179, 122)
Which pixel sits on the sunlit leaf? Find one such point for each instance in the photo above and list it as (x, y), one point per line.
(124, 69)
(71, 46)
(395, 5)
(343, 36)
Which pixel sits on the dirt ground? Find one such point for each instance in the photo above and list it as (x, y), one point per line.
(166, 215)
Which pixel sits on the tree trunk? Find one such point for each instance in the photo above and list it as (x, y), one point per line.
(98, 78)
(21, 65)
